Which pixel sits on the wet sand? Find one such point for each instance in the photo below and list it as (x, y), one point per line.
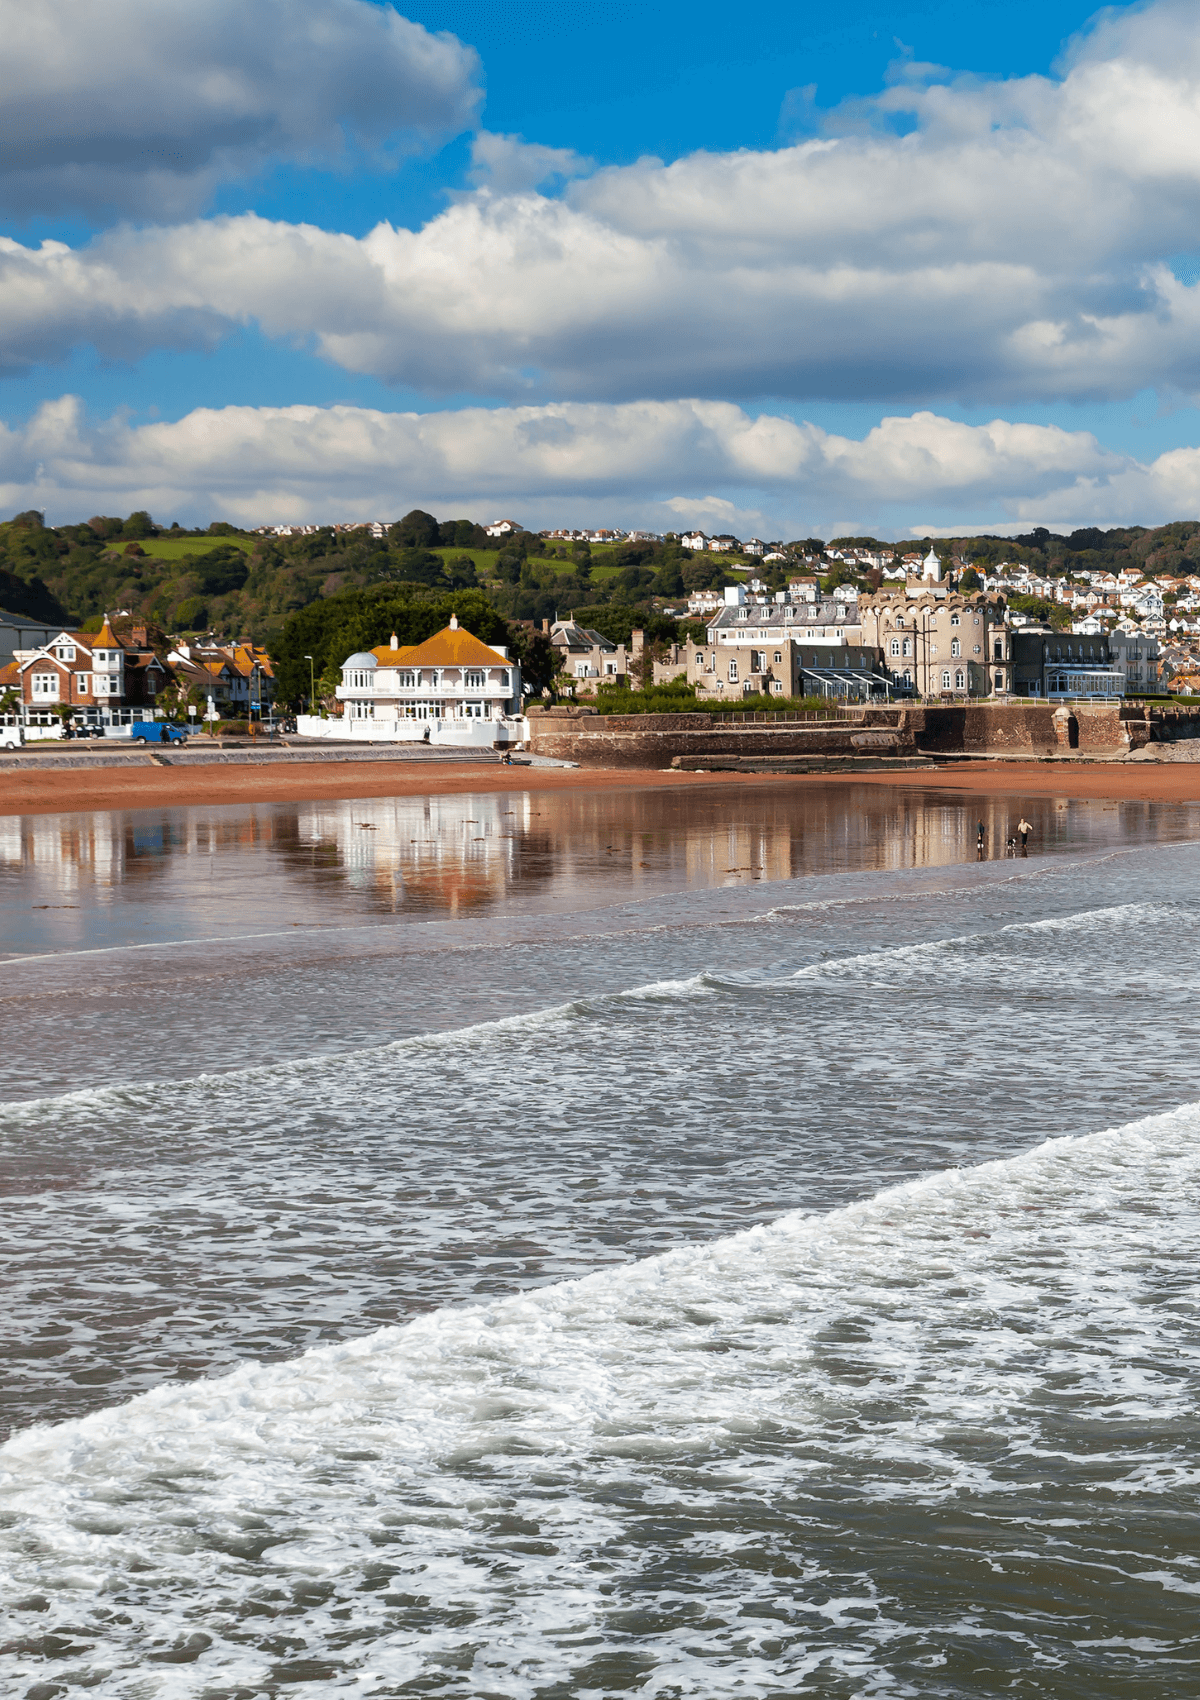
(41, 791)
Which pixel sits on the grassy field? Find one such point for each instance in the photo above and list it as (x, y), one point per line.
(178, 548)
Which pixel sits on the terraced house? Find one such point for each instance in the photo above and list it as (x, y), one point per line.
(785, 647)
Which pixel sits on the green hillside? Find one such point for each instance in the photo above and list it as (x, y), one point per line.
(240, 585)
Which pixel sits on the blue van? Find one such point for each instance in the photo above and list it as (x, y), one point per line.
(157, 732)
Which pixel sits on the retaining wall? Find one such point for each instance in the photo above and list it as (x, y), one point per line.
(656, 740)
(1017, 730)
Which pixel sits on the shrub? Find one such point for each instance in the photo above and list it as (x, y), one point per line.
(678, 697)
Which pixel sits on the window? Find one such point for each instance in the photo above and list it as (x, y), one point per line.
(65, 652)
(505, 681)
(899, 622)
(699, 659)
(610, 667)
(999, 681)
(908, 646)
(946, 679)
(81, 683)
(954, 620)
(778, 655)
(999, 647)
(475, 681)
(959, 680)
(743, 613)
(46, 685)
(733, 672)
(955, 647)
(895, 646)
(777, 686)
(758, 661)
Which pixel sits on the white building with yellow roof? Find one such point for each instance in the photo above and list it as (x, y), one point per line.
(452, 689)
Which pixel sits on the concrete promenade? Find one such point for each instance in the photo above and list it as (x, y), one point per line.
(246, 753)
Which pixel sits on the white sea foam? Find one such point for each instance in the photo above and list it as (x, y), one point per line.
(952, 1341)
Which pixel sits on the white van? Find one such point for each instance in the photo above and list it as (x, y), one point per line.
(12, 733)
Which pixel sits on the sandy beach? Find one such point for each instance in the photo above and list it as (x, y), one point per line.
(45, 792)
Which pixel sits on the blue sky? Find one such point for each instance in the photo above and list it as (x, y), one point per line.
(956, 254)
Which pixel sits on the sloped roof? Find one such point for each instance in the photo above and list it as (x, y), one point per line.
(451, 647)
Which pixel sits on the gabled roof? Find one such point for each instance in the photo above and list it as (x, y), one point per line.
(451, 647)
(45, 657)
(577, 637)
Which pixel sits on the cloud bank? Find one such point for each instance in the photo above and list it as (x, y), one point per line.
(1013, 246)
(143, 106)
(666, 462)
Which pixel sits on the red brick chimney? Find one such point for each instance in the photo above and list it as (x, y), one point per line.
(138, 637)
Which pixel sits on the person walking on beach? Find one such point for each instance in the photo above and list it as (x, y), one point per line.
(1023, 831)
(979, 843)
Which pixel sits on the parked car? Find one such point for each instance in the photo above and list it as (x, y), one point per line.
(157, 732)
(12, 734)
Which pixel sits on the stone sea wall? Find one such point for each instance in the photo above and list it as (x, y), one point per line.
(1018, 730)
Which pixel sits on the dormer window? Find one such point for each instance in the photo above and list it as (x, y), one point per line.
(65, 652)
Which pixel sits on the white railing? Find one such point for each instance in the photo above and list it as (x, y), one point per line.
(490, 692)
(477, 734)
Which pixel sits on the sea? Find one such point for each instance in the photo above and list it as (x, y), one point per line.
(717, 1241)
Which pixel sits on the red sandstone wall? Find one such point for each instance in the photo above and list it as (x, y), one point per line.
(994, 729)
(654, 740)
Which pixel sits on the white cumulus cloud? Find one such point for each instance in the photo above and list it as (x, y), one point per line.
(144, 106)
(666, 463)
(1014, 246)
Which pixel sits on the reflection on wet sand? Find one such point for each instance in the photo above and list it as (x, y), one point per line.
(171, 942)
(449, 854)
(89, 881)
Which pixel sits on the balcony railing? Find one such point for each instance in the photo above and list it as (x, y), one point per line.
(422, 693)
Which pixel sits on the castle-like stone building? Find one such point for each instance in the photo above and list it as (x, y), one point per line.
(938, 641)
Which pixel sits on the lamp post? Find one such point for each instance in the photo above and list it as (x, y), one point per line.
(312, 686)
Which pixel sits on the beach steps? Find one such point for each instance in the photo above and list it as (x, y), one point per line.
(799, 764)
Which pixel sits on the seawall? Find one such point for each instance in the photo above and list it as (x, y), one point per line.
(1031, 731)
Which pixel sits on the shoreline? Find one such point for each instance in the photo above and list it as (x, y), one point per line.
(76, 791)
